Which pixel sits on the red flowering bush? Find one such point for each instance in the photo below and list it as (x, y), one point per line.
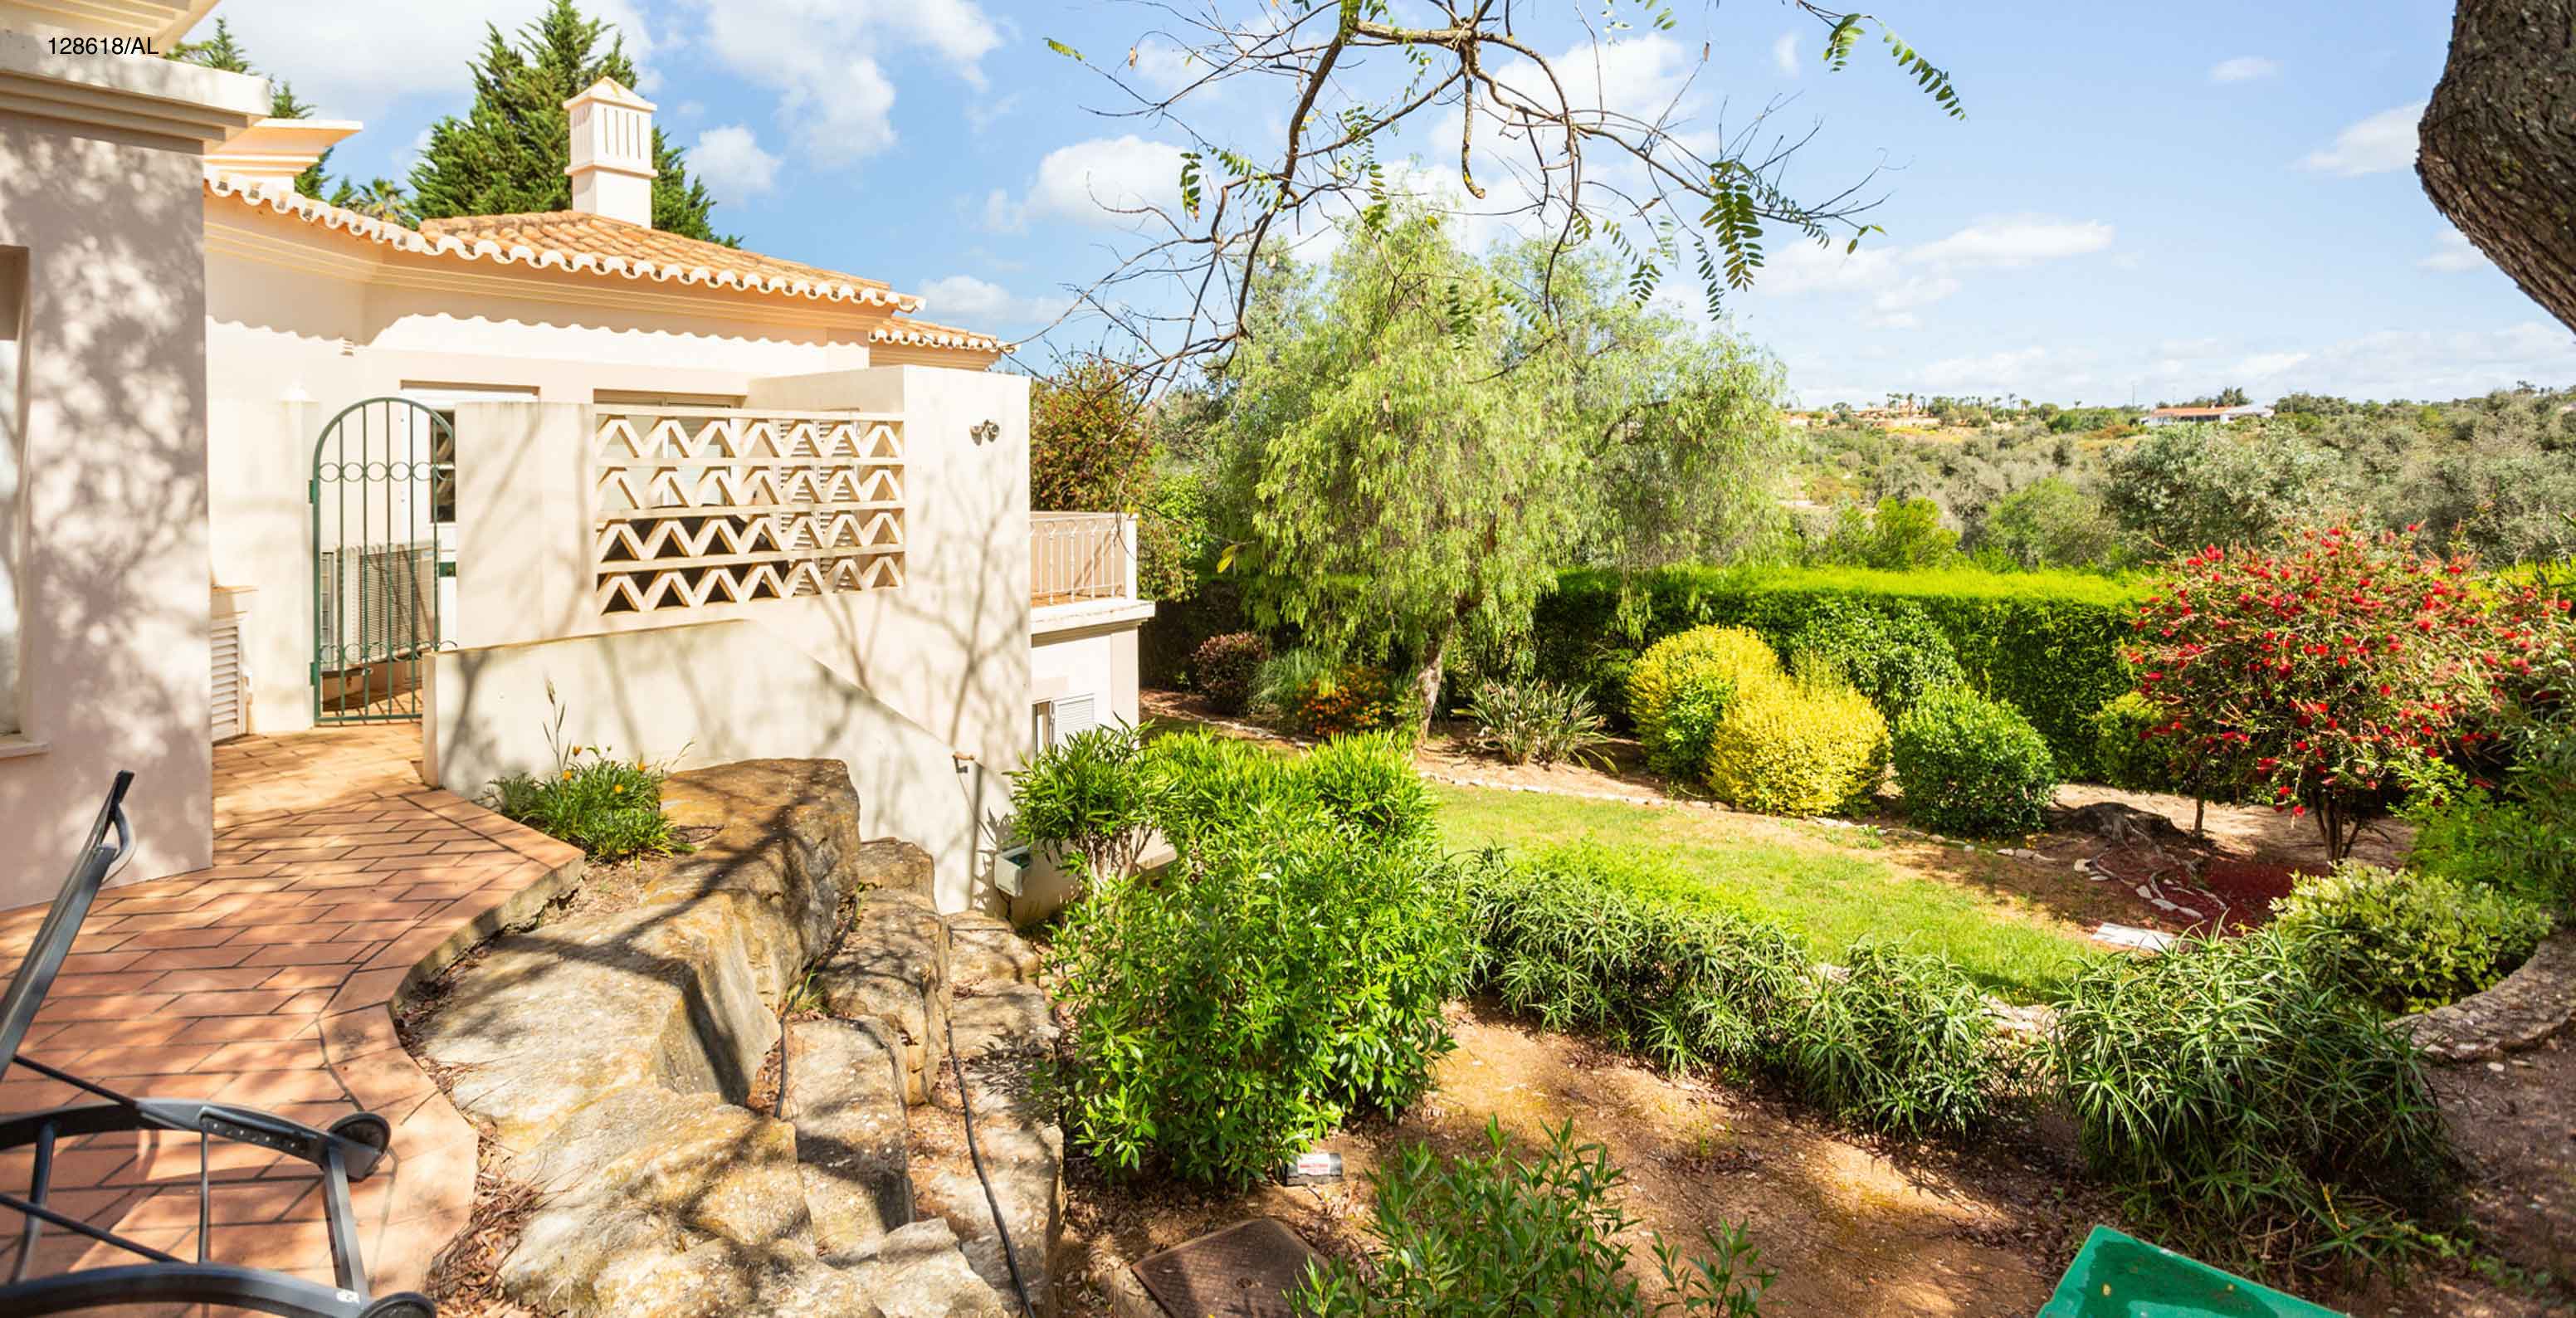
(2320, 670)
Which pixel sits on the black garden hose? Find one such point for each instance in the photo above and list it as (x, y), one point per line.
(966, 1109)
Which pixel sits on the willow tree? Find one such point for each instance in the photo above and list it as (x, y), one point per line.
(1401, 485)
(1415, 447)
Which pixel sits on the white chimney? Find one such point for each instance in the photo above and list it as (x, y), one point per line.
(612, 153)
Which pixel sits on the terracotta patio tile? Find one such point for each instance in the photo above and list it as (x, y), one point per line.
(113, 1006)
(306, 977)
(168, 938)
(269, 1089)
(307, 954)
(84, 1035)
(246, 1002)
(348, 1035)
(82, 986)
(229, 977)
(212, 1030)
(266, 1055)
(165, 1059)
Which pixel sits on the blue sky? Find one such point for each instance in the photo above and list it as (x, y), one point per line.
(2144, 201)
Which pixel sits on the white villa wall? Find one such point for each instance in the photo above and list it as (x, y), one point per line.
(711, 694)
(295, 335)
(947, 652)
(111, 524)
(1100, 663)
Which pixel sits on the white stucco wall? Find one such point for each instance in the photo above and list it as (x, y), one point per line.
(947, 653)
(711, 694)
(112, 519)
(303, 322)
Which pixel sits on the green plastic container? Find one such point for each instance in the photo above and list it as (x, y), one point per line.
(2120, 1276)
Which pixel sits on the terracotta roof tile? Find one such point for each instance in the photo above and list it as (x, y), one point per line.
(580, 231)
(578, 241)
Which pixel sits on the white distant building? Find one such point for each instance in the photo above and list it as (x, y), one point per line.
(2174, 416)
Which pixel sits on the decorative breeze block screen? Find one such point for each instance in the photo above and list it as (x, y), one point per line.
(716, 506)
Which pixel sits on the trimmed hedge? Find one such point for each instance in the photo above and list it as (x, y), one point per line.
(1971, 765)
(2046, 643)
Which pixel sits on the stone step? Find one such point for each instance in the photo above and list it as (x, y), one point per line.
(842, 1086)
(1003, 1034)
(892, 965)
(985, 950)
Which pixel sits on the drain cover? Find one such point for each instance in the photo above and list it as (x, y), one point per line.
(1243, 1271)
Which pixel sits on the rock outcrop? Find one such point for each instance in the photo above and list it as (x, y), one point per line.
(2520, 1011)
(609, 1055)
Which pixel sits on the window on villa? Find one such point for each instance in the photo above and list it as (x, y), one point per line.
(13, 425)
(1056, 721)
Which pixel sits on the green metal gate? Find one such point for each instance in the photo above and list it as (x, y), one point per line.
(384, 501)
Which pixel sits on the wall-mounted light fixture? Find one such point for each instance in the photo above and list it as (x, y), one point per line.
(985, 432)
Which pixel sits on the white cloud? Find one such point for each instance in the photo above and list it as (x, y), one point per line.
(1090, 182)
(1784, 54)
(1164, 68)
(987, 306)
(1901, 281)
(827, 60)
(2453, 252)
(2014, 240)
(2380, 143)
(1987, 374)
(2243, 68)
(732, 162)
(351, 61)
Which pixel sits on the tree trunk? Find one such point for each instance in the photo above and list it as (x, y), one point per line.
(2498, 142)
(1426, 681)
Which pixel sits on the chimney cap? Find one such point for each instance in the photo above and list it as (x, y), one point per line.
(609, 91)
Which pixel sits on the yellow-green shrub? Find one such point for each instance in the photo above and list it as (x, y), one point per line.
(1797, 748)
(1712, 659)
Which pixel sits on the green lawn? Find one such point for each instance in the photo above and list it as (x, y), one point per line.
(1830, 895)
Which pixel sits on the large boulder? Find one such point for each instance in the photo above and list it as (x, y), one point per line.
(843, 1087)
(554, 1019)
(892, 966)
(634, 1182)
(787, 832)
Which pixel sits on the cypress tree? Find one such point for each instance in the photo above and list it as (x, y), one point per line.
(507, 154)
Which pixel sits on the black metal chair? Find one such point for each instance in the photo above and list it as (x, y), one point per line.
(348, 1151)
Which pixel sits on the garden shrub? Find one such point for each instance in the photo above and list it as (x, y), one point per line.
(1718, 661)
(1534, 722)
(2046, 643)
(2321, 673)
(1314, 697)
(1900, 1043)
(1366, 785)
(1223, 667)
(2407, 940)
(1203, 782)
(2520, 840)
(2127, 754)
(1680, 746)
(1797, 748)
(1230, 1010)
(2251, 1112)
(608, 807)
(1561, 938)
(1085, 798)
(1971, 766)
(1489, 1234)
(1891, 654)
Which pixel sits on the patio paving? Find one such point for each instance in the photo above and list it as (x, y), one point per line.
(267, 980)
